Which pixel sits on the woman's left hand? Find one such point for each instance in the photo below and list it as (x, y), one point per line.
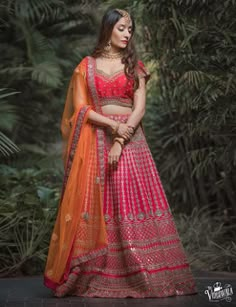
(114, 154)
(124, 131)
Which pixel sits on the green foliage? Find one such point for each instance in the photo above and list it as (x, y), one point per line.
(8, 120)
(29, 199)
(24, 242)
(41, 44)
(191, 114)
(208, 238)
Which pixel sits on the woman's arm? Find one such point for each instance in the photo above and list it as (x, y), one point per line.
(138, 111)
(101, 120)
(133, 120)
(80, 95)
(139, 105)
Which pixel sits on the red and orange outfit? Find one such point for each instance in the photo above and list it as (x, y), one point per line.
(114, 234)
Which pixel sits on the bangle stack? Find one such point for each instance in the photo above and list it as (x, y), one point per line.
(119, 141)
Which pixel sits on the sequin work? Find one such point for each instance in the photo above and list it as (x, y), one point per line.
(145, 255)
(116, 88)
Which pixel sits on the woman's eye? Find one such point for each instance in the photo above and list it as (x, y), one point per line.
(130, 31)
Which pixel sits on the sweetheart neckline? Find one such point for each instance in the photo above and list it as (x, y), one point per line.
(106, 74)
(103, 73)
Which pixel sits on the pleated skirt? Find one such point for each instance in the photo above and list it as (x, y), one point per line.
(145, 256)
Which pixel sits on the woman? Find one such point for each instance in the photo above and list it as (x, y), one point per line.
(114, 235)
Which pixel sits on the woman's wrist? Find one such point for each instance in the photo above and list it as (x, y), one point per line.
(120, 141)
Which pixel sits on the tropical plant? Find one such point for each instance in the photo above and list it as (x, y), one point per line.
(192, 122)
(24, 242)
(8, 119)
(44, 42)
(207, 239)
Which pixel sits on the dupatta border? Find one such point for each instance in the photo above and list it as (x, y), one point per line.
(76, 134)
(67, 276)
(100, 137)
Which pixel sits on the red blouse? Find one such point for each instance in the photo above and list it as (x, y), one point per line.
(117, 88)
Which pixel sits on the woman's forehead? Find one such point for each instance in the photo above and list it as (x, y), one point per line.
(123, 22)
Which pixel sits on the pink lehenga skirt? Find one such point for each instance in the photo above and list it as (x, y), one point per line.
(145, 255)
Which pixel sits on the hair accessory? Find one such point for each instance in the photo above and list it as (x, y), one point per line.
(124, 14)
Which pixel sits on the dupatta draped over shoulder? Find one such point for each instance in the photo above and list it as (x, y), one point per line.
(80, 214)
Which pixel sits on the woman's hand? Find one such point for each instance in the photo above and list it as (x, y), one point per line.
(124, 131)
(114, 154)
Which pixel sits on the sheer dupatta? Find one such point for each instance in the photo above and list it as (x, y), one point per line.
(80, 212)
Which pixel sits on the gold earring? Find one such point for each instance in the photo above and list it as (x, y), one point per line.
(108, 46)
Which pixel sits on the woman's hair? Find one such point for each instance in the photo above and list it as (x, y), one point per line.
(110, 18)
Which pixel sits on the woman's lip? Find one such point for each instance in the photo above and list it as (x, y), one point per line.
(125, 42)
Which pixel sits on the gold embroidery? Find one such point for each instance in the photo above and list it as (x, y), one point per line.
(121, 261)
(68, 218)
(109, 76)
(107, 217)
(116, 101)
(54, 236)
(49, 273)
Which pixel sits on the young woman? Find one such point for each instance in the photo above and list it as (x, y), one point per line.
(114, 234)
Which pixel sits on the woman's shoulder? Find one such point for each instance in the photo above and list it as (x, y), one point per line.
(81, 66)
(83, 63)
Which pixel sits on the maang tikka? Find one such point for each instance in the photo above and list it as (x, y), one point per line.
(124, 14)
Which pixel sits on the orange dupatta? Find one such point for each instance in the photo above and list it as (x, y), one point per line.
(79, 232)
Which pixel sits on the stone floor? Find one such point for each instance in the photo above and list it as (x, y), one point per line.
(30, 292)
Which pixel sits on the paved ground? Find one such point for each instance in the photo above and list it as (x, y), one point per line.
(30, 292)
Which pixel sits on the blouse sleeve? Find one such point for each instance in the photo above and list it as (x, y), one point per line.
(142, 71)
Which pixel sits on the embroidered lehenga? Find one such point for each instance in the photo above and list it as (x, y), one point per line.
(114, 235)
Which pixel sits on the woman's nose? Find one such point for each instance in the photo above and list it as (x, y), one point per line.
(127, 34)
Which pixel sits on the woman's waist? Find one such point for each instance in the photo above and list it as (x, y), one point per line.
(121, 117)
(113, 110)
(117, 101)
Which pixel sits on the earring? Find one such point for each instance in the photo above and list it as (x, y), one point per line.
(108, 46)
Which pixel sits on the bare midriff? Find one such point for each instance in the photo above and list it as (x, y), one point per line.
(113, 109)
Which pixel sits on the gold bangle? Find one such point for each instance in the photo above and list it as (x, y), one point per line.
(119, 141)
(122, 145)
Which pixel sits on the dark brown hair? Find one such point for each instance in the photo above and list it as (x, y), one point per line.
(110, 18)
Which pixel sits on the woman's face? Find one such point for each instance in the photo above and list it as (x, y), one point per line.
(121, 33)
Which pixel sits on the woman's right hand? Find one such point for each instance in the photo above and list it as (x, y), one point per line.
(114, 154)
(124, 131)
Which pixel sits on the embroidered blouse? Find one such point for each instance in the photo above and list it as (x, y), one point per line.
(117, 89)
